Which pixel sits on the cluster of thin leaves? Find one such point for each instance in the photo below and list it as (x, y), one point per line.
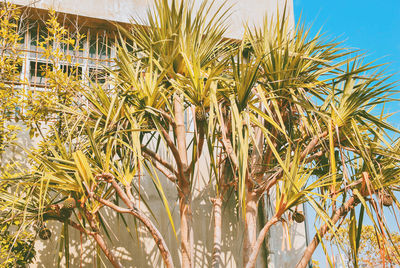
(280, 111)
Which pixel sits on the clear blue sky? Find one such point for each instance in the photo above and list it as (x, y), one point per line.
(370, 25)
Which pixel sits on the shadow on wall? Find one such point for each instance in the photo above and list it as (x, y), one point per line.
(143, 252)
(134, 247)
(282, 254)
(15, 154)
(285, 245)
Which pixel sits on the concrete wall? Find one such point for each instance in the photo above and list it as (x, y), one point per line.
(250, 11)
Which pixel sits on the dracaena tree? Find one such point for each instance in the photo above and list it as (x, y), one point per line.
(183, 47)
(281, 114)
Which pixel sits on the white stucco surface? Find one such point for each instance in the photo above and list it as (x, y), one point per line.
(249, 11)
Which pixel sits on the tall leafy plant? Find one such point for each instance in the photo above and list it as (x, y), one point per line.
(283, 114)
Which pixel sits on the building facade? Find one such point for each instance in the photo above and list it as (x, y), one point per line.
(88, 58)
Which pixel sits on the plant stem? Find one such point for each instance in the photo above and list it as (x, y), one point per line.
(322, 231)
(184, 187)
(102, 244)
(256, 248)
(186, 226)
(216, 258)
(158, 238)
(250, 227)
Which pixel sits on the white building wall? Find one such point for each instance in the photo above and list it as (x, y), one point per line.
(250, 11)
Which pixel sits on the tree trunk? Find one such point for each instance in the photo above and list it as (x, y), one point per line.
(256, 249)
(250, 227)
(216, 259)
(184, 186)
(186, 227)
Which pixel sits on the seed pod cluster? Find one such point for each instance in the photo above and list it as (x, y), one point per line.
(387, 200)
(65, 213)
(45, 234)
(69, 203)
(68, 206)
(298, 217)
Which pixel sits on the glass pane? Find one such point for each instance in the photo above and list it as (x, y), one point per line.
(37, 73)
(98, 75)
(100, 48)
(21, 39)
(72, 70)
(34, 37)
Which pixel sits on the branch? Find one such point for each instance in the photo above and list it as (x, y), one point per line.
(102, 244)
(256, 248)
(312, 144)
(159, 240)
(271, 182)
(165, 171)
(112, 205)
(159, 159)
(128, 190)
(175, 153)
(313, 157)
(79, 228)
(306, 151)
(167, 117)
(72, 224)
(96, 236)
(342, 212)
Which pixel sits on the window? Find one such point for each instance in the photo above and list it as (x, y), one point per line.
(98, 75)
(85, 57)
(21, 39)
(70, 70)
(75, 50)
(37, 73)
(37, 35)
(100, 48)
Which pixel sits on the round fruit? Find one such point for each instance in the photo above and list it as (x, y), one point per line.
(65, 213)
(44, 234)
(69, 203)
(387, 200)
(298, 217)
